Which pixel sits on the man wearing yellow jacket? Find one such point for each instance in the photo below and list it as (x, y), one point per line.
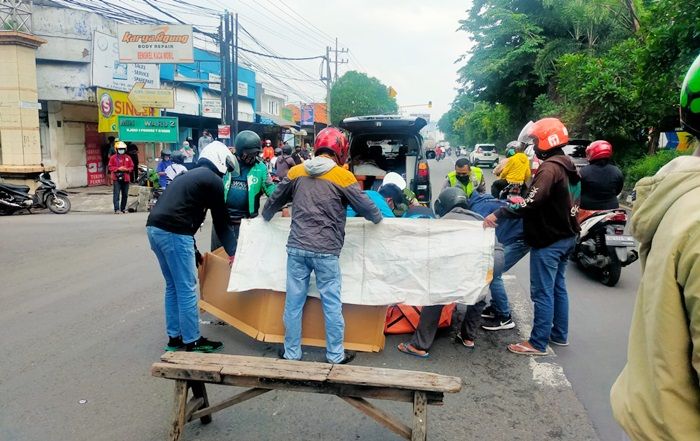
(514, 170)
(657, 395)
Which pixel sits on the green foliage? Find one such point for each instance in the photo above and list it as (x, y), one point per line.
(648, 166)
(154, 178)
(486, 123)
(356, 94)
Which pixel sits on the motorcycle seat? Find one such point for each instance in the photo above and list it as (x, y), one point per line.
(20, 188)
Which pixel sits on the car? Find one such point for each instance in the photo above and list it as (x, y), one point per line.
(380, 144)
(484, 154)
(575, 149)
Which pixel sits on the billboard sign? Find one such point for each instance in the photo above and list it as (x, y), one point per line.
(211, 108)
(166, 43)
(111, 104)
(148, 129)
(307, 115)
(109, 73)
(224, 132)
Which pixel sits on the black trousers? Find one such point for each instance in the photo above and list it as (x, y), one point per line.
(430, 318)
(120, 187)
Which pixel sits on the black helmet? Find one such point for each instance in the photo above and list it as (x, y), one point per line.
(178, 157)
(690, 99)
(278, 151)
(392, 191)
(165, 152)
(450, 198)
(247, 140)
(287, 150)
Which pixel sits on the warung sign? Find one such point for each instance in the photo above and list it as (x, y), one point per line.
(155, 43)
(148, 129)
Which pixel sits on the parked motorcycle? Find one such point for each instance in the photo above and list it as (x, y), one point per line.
(602, 248)
(14, 198)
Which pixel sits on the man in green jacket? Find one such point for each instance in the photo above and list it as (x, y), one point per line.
(657, 395)
(242, 191)
(466, 177)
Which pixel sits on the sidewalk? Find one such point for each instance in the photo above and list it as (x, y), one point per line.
(99, 199)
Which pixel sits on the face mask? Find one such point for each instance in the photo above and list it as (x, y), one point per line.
(464, 179)
(121, 151)
(249, 158)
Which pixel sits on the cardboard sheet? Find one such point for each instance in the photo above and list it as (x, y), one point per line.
(413, 261)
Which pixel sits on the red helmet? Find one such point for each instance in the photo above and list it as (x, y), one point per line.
(548, 133)
(332, 140)
(599, 150)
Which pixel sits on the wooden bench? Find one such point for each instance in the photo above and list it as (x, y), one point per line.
(349, 382)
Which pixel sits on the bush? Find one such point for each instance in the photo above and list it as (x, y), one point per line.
(649, 165)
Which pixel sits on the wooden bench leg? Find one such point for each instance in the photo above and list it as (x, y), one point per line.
(178, 421)
(420, 417)
(199, 390)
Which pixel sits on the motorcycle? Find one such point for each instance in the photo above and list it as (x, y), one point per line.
(602, 247)
(14, 198)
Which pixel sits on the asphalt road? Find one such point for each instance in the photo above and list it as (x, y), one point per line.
(599, 320)
(81, 317)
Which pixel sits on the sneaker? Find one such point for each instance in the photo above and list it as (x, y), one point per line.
(174, 344)
(349, 356)
(498, 324)
(204, 345)
(488, 312)
(559, 343)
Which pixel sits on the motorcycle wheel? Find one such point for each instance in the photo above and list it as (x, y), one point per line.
(58, 204)
(610, 275)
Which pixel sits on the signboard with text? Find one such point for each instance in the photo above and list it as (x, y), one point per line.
(111, 104)
(148, 129)
(166, 43)
(307, 115)
(211, 108)
(109, 73)
(224, 132)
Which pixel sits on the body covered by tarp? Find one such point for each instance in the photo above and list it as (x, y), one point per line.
(413, 261)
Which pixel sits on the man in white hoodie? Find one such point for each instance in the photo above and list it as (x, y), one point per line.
(657, 395)
(320, 190)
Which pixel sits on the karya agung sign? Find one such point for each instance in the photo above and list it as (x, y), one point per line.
(155, 43)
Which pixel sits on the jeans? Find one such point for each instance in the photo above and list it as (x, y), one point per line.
(300, 264)
(499, 299)
(548, 293)
(175, 253)
(120, 187)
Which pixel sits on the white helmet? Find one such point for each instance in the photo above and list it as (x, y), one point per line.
(396, 179)
(222, 158)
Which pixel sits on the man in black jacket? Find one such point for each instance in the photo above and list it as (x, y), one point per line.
(171, 226)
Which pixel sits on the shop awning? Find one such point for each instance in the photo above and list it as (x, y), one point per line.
(269, 119)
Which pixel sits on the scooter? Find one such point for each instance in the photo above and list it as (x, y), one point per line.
(14, 198)
(602, 248)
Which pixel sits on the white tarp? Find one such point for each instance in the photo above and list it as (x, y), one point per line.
(414, 261)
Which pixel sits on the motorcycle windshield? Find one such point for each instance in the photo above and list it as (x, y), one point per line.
(524, 136)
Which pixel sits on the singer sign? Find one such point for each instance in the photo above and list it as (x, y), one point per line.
(155, 44)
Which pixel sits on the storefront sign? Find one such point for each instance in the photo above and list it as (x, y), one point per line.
(93, 157)
(242, 88)
(109, 73)
(307, 115)
(224, 132)
(159, 98)
(215, 81)
(111, 104)
(148, 129)
(165, 43)
(211, 108)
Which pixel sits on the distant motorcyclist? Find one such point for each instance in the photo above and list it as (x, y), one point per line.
(601, 181)
(177, 167)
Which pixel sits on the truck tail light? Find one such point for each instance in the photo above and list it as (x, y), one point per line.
(423, 170)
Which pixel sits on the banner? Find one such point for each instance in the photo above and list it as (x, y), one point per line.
(413, 261)
(109, 73)
(111, 104)
(165, 43)
(307, 115)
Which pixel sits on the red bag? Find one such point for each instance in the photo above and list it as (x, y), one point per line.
(403, 319)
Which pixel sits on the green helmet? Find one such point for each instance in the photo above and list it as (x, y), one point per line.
(247, 140)
(690, 99)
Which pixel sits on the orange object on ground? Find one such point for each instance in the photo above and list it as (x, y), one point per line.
(403, 319)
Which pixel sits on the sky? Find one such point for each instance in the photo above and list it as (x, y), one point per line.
(411, 45)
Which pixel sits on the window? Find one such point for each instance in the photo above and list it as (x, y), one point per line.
(273, 107)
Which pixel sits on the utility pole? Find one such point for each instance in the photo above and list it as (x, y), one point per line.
(234, 132)
(328, 80)
(344, 61)
(223, 55)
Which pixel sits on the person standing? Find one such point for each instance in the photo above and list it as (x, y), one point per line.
(284, 162)
(320, 191)
(188, 155)
(171, 226)
(133, 151)
(120, 166)
(204, 140)
(657, 395)
(466, 177)
(550, 228)
(243, 190)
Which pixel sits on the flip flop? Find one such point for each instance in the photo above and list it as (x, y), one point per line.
(521, 349)
(406, 348)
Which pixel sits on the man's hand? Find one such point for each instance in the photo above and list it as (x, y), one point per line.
(230, 260)
(285, 212)
(490, 221)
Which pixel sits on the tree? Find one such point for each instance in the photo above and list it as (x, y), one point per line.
(356, 94)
